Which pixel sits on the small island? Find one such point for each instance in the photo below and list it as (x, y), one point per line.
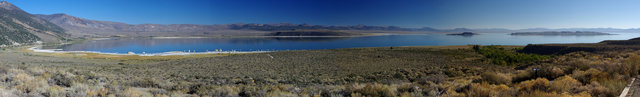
(564, 33)
(464, 34)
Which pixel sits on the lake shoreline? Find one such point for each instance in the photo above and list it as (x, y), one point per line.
(206, 45)
(38, 49)
(233, 36)
(170, 53)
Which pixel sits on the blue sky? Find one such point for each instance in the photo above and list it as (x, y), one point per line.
(512, 14)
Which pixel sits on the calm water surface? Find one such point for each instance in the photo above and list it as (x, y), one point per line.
(159, 45)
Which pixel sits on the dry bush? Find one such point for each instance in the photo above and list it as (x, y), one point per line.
(278, 93)
(433, 78)
(407, 88)
(522, 75)
(62, 78)
(614, 86)
(28, 84)
(603, 87)
(547, 71)
(133, 92)
(453, 72)
(595, 89)
(564, 84)
(589, 75)
(375, 90)
(329, 91)
(496, 78)
(182, 86)
(7, 93)
(539, 84)
(538, 93)
(78, 90)
(489, 90)
(157, 92)
(408, 94)
(581, 94)
(56, 91)
(146, 82)
(217, 91)
(631, 66)
(160, 95)
(97, 91)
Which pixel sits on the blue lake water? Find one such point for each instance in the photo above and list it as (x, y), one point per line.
(160, 45)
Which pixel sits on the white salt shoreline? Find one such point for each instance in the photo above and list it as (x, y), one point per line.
(37, 49)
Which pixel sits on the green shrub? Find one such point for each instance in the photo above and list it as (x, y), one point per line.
(500, 56)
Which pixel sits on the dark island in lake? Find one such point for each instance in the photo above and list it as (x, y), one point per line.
(464, 34)
(561, 33)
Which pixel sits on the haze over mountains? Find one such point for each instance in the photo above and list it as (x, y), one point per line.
(17, 26)
(81, 26)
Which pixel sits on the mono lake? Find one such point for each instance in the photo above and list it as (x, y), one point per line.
(247, 44)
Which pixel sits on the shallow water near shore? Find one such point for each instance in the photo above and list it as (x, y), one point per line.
(252, 44)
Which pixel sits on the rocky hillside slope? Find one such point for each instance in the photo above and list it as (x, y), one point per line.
(18, 27)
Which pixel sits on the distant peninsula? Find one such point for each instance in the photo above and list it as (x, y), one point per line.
(464, 34)
(564, 33)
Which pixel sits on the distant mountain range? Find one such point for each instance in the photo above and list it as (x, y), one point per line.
(17, 26)
(81, 26)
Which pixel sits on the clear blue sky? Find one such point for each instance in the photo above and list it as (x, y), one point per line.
(513, 14)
